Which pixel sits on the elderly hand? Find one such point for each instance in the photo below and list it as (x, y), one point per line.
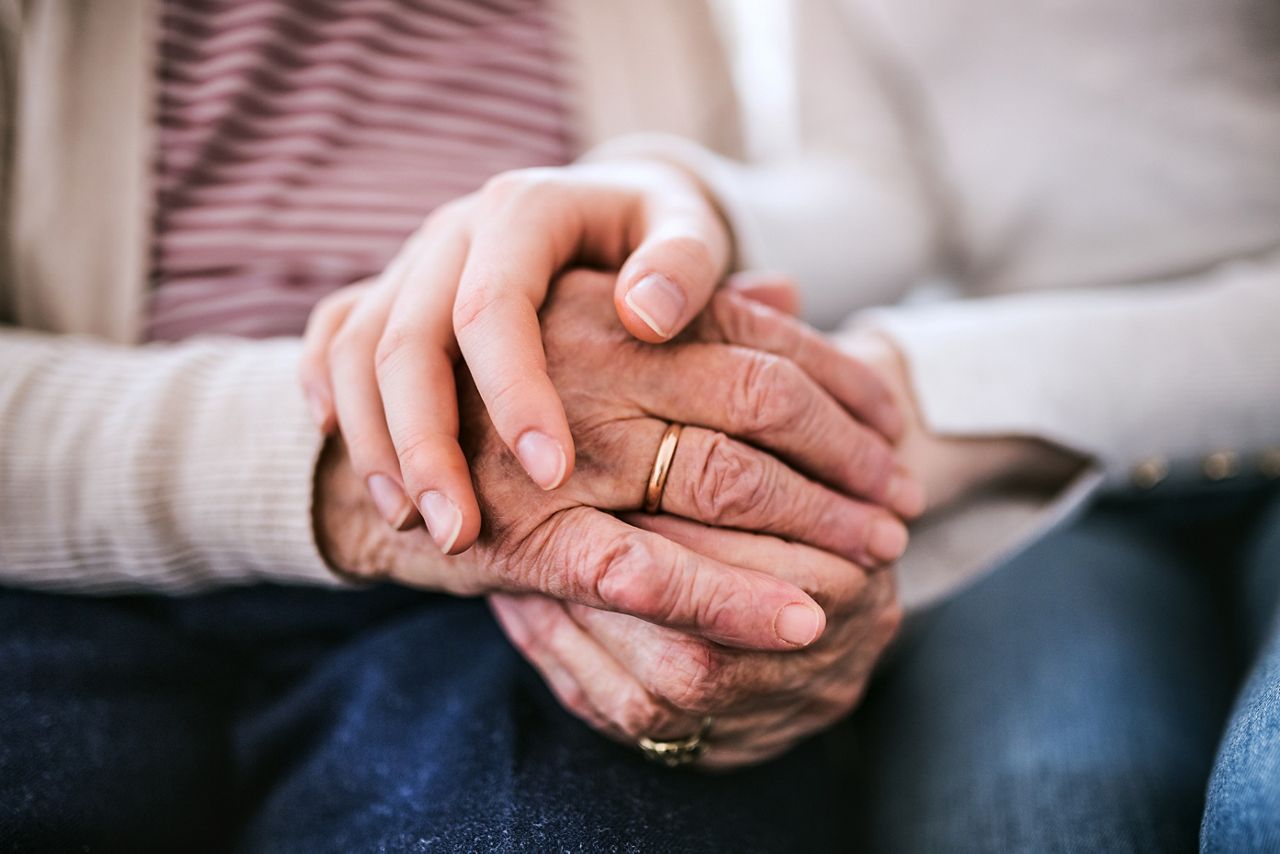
(750, 382)
(471, 282)
(629, 679)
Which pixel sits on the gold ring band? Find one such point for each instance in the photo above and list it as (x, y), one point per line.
(661, 468)
(680, 751)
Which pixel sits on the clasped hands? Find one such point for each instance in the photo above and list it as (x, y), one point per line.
(493, 434)
(757, 595)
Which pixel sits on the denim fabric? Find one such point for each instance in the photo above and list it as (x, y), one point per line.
(1072, 701)
(1243, 810)
(312, 721)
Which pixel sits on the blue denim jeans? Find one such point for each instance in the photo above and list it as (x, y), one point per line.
(1116, 688)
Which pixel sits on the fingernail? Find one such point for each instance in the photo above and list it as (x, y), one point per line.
(542, 457)
(390, 500)
(658, 302)
(319, 412)
(797, 624)
(443, 518)
(888, 540)
(906, 496)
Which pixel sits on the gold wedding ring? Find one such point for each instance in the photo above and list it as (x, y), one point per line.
(681, 751)
(661, 468)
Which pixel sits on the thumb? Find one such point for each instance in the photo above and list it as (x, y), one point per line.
(672, 274)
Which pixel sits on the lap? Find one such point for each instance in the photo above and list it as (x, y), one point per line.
(435, 735)
(111, 728)
(282, 720)
(1070, 701)
(119, 715)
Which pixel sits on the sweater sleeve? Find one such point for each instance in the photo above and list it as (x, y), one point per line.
(170, 468)
(1175, 379)
(850, 206)
(1165, 387)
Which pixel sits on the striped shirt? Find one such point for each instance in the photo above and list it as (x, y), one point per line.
(301, 141)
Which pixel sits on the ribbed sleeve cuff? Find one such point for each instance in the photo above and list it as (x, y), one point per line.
(245, 497)
(989, 368)
(1121, 375)
(174, 468)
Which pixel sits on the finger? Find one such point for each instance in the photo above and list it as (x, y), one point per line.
(313, 366)
(701, 678)
(693, 675)
(594, 559)
(591, 682)
(733, 318)
(679, 262)
(584, 674)
(415, 371)
(360, 413)
(776, 290)
(736, 741)
(770, 401)
(723, 482)
(504, 281)
(834, 583)
(528, 636)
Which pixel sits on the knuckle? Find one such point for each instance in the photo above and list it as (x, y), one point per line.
(731, 484)
(635, 579)
(349, 342)
(471, 304)
(476, 302)
(690, 676)
(507, 397)
(531, 645)
(870, 461)
(537, 555)
(767, 394)
(418, 454)
(516, 186)
(442, 214)
(328, 305)
(638, 714)
(502, 185)
(630, 578)
(574, 698)
(363, 461)
(392, 347)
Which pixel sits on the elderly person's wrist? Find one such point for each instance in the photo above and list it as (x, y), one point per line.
(358, 545)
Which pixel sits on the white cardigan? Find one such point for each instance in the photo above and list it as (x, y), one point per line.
(1117, 162)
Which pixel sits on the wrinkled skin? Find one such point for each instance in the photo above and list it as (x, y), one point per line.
(629, 678)
(772, 448)
(619, 394)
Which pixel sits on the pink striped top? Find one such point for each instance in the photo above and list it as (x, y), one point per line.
(301, 141)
